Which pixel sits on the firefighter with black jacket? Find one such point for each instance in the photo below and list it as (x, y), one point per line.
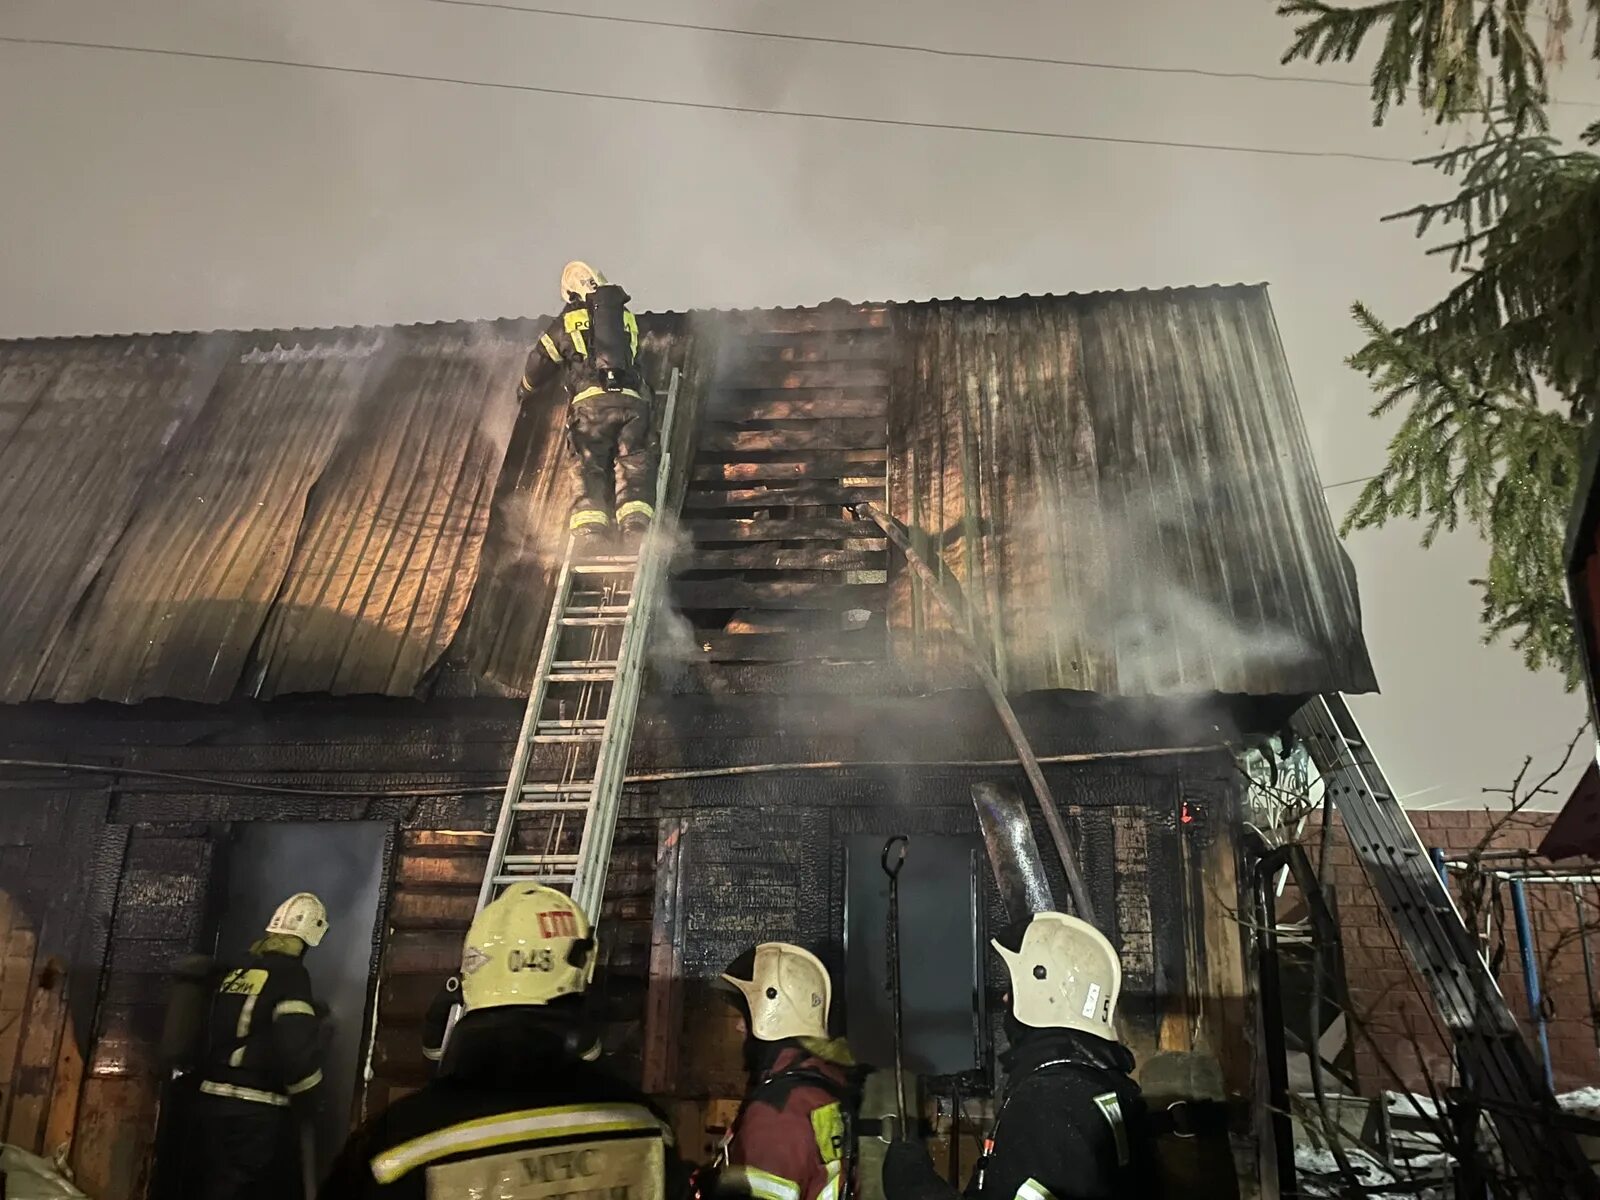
(261, 1062)
(518, 1110)
(1072, 1124)
(594, 344)
(793, 1137)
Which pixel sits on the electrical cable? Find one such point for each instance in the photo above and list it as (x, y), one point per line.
(646, 777)
(906, 47)
(708, 106)
(936, 51)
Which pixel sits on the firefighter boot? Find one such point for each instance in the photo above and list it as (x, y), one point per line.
(634, 529)
(591, 540)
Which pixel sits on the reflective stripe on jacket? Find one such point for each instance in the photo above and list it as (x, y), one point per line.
(514, 1112)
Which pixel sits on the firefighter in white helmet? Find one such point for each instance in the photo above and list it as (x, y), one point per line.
(1071, 1124)
(593, 345)
(793, 1137)
(261, 1063)
(519, 1107)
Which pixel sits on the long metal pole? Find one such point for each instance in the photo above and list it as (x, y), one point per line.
(1530, 975)
(894, 858)
(954, 606)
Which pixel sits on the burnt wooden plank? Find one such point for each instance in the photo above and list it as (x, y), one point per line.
(827, 318)
(435, 952)
(778, 404)
(857, 646)
(782, 496)
(854, 680)
(416, 908)
(397, 1054)
(864, 345)
(441, 870)
(664, 999)
(34, 1078)
(847, 464)
(767, 558)
(66, 1090)
(404, 999)
(766, 376)
(443, 841)
(16, 978)
(812, 529)
(112, 1149)
(738, 594)
(829, 434)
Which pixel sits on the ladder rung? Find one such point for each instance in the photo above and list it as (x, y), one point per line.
(562, 723)
(594, 610)
(547, 877)
(606, 566)
(556, 789)
(555, 739)
(551, 805)
(582, 676)
(595, 622)
(540, 860)
(580, 664)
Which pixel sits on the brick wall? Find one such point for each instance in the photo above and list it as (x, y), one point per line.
(1405, 1044)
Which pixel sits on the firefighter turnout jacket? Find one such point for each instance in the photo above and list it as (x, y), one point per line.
(517, 1114)
(792, 1137)
(263, 1040)
(593, 343)
(1072, 1126)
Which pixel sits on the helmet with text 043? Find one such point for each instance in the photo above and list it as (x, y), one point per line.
(529, 946)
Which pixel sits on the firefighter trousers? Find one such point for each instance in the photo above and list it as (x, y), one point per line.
(615, 449)
(248, 1151)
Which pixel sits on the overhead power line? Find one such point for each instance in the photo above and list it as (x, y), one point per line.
(905, 47)
(707, 106)
(1082, 64)
(475, 789)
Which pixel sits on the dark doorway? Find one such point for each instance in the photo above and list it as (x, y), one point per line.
(342, 862)
(939, 963)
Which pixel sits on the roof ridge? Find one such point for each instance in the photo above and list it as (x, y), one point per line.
(322, 332)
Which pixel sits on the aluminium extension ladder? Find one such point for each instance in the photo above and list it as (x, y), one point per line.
(1498, 1067)
(584, 697)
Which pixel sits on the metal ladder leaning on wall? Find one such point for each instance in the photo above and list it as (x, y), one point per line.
(1503, 1074)
(584, 697)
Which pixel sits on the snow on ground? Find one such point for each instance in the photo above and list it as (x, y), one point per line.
(1319, 1175)
(1583, 1100)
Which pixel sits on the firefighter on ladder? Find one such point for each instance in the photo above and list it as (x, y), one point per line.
(1072, 1124)
(260, 1065)
(793, 1137)
(519, 1107)
(594, 344)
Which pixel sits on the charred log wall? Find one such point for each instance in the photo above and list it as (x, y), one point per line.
(114, 874)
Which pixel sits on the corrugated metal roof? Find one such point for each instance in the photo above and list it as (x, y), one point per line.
(388, 551)
(1124, 486)
(199, 515)
(181, 600)
(82, 435)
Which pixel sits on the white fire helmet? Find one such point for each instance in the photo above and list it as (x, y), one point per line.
(1065, 976)
(578, 279)
(788, 993)
(301, 915)
(529, 946)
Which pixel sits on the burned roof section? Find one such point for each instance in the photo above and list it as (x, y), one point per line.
(1121, 481)
(1124, 485)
